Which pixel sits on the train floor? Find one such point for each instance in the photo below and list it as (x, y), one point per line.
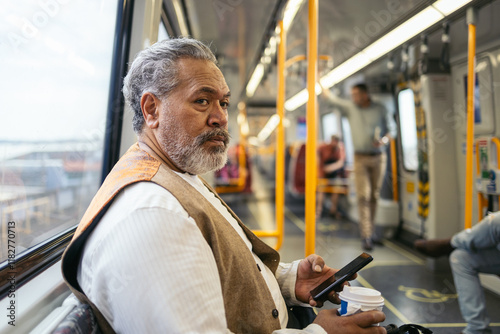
(413, 293)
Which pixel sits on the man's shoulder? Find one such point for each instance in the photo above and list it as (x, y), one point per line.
(377, 104)
(145, 195)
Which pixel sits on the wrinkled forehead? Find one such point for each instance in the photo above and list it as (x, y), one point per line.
(195, 73)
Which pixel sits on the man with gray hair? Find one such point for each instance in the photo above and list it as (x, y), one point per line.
(158, 251)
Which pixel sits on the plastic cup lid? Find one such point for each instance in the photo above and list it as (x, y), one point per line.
(360, 295)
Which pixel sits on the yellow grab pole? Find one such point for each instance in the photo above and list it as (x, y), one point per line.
(471, 13)
(311, 164)
(394, 169)
(280, 142)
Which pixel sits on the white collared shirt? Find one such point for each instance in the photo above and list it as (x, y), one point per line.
(148, 268)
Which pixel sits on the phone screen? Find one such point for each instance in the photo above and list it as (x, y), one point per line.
(334, 282)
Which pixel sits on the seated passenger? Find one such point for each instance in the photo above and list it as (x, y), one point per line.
(472, 251)
(158, 251)
(331, 158)
(230, 171)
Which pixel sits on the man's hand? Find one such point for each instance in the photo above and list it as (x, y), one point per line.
(360, 323)
(381, 142)
(311, 272)
(325, 92)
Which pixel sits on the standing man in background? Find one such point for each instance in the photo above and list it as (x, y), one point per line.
(372, 128)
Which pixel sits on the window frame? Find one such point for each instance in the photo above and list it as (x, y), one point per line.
(33, 261)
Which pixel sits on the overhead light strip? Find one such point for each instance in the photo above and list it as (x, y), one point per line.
(291, 10)
(289, 14)
(254, 82)
(396, 37)
(271, 124)
(180, 18)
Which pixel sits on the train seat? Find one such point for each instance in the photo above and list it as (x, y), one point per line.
(72, 317)
(80, 320)
(333, 186)
(297, 178)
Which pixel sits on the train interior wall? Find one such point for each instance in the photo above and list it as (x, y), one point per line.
(419, 295)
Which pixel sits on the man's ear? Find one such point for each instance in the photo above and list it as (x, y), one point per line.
(150, 106)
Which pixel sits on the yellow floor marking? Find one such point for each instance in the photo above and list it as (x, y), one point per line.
(403, 252)
(493, 324)
(301, 225)
(296, 220)
(426, 296)
(389, 263)
(387, 304)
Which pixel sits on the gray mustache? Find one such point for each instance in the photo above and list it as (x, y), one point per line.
(214, 133)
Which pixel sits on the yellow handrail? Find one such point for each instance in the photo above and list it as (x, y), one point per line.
(394, 169)
(280, 147)
(298, 58)
(294, 59)
(311, 155)
(470, 124)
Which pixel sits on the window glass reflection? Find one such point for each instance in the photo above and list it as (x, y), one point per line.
(406, 105)
(56, 65)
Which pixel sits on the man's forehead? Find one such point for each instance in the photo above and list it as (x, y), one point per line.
(224, 91)
(202, 76)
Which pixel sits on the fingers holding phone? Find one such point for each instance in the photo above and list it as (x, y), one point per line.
(333, 295)
(311, 271)
(328, 289)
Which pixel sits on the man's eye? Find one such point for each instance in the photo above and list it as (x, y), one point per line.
(202, 102)
(224, 104)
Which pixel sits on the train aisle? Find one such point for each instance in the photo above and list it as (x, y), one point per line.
(412, 293)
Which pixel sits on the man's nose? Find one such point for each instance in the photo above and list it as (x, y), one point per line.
(218, 117)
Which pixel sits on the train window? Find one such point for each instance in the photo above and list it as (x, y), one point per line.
(407, 119)
(56, 68)
(334, 124)
(162, 31)
(331, 126)
(301, 130)
(484, 112)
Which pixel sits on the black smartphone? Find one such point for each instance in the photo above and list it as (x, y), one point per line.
(320, 293)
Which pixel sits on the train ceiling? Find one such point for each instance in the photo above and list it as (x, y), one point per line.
(239, 30)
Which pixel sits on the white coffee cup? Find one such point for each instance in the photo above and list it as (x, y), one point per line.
(355, 299)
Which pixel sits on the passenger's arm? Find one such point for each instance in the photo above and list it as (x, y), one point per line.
(157, 274)
(391, 126)
(344, 105)
(286, 274)
(337, 164)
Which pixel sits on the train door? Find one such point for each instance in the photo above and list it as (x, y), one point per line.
(408, 160)
(428, 173)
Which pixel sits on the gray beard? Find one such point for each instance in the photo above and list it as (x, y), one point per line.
(189, 154)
